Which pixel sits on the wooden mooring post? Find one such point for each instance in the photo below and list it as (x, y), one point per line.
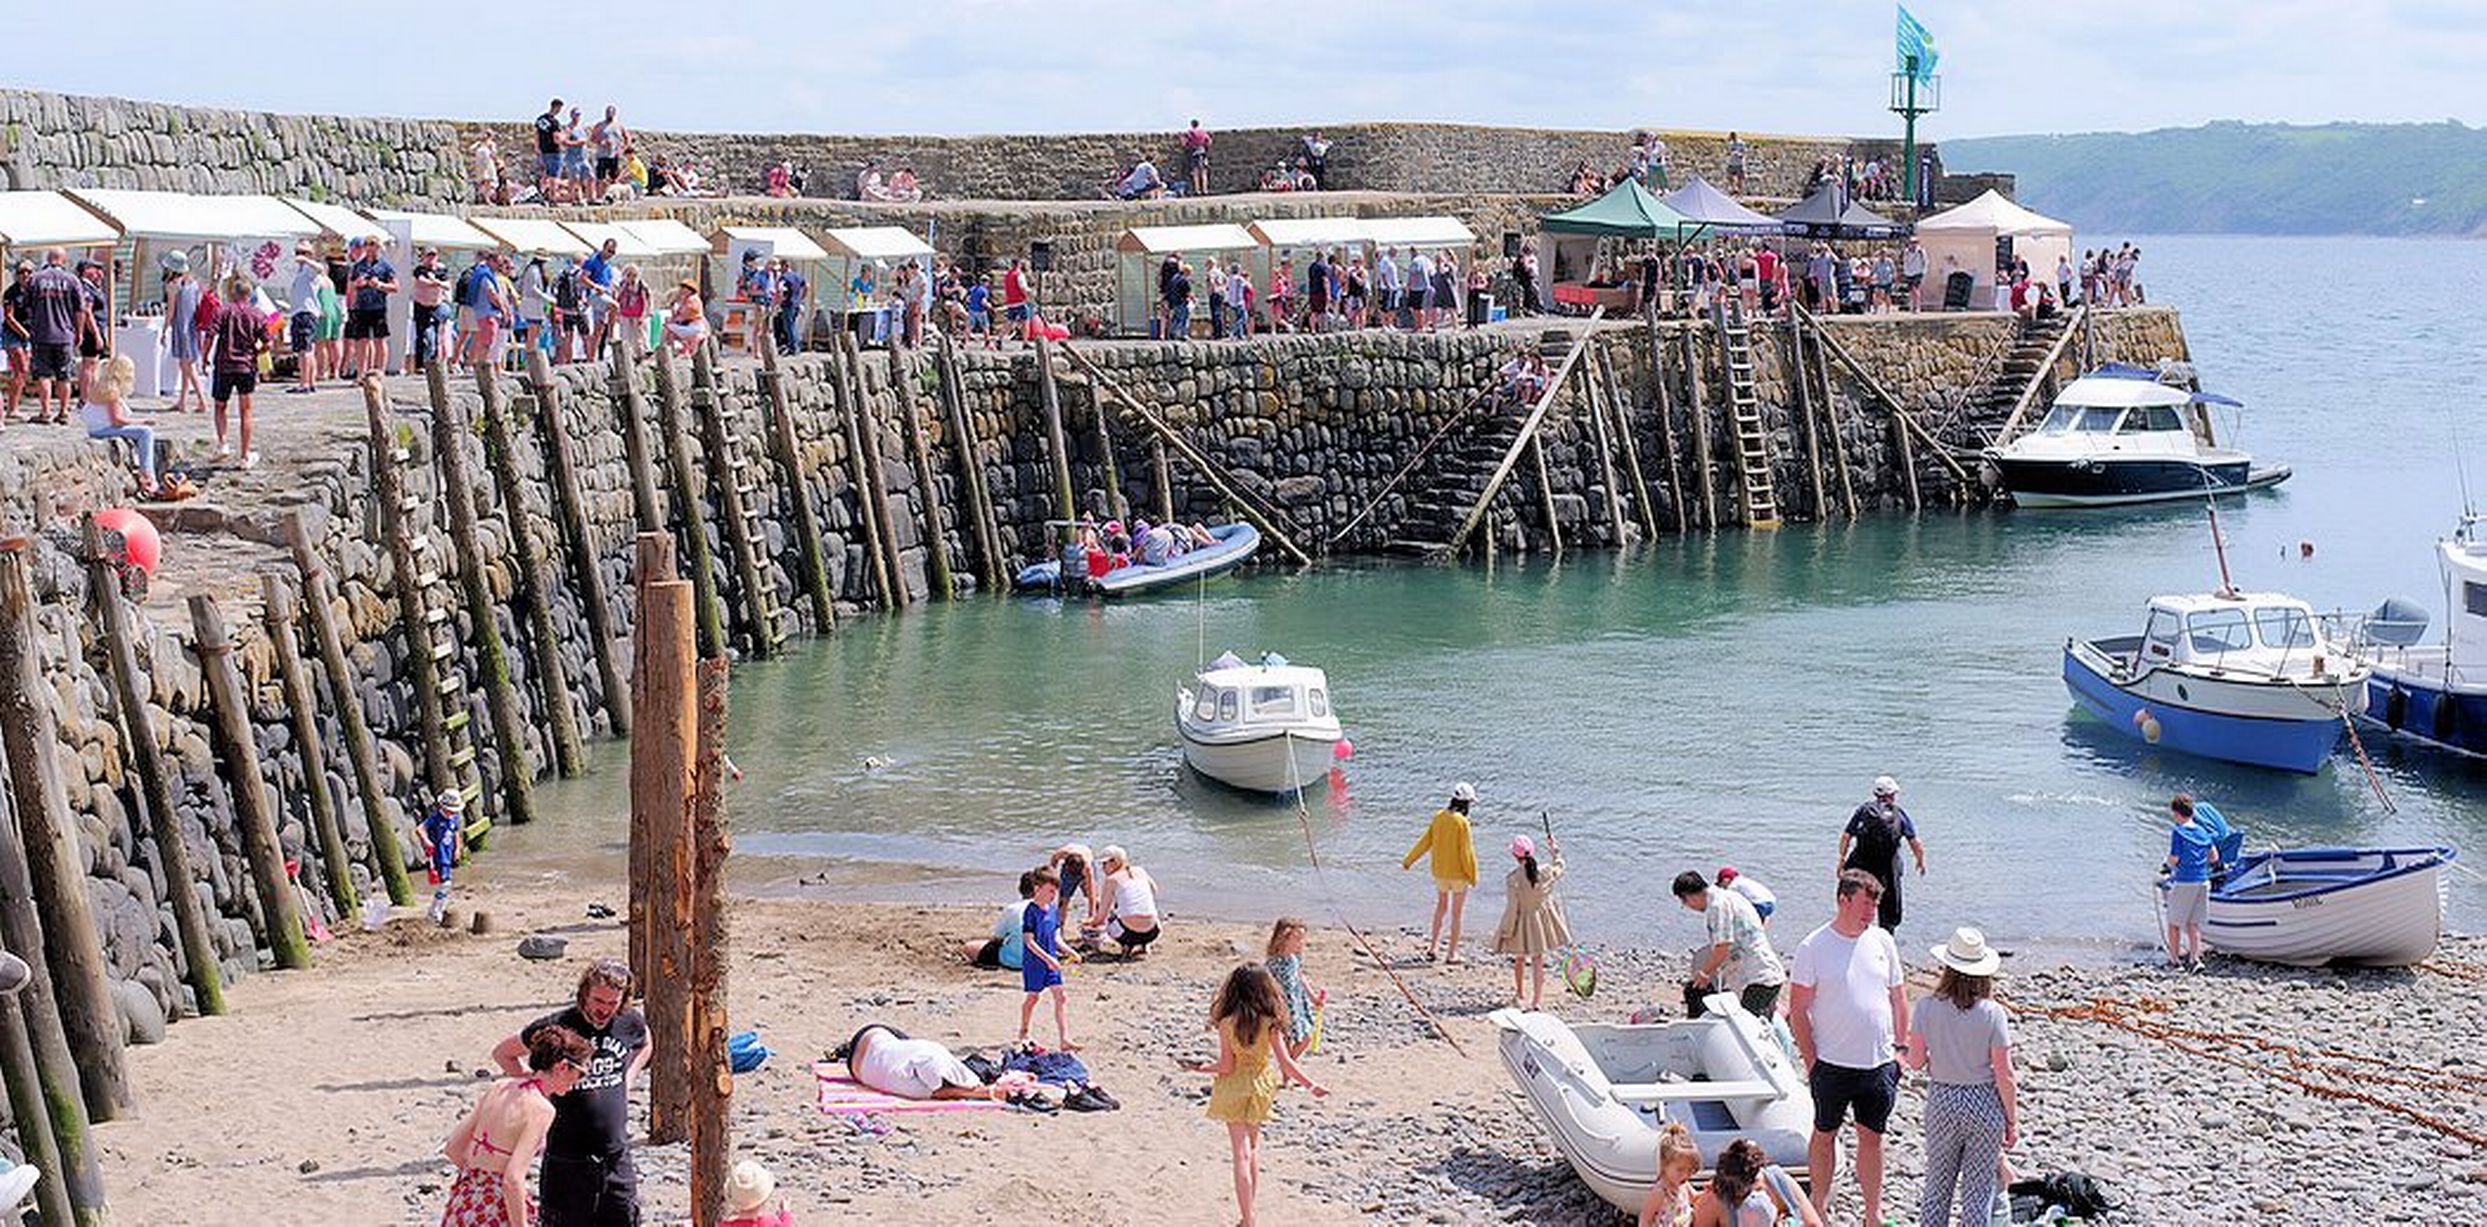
(711, 1074)
(319, 602)
(237, 753)
(1545, 493)
(579, 539)
(46, 1100)
(708, 612)
(1802, 380)
(652, 563)
(632, 408)
(660, 796)
(1704, 459)
(457, 489)
(927, 479)
(786, 450)
(1593, 397)
(533, 583)
(49, 833)
(1664, 380)
(1621, 410)
(756, 595)
(1057, 443)
(847, 390)
(991, 567)
(873, 475)
(35, 1138)
(276, 605)
(388, 492)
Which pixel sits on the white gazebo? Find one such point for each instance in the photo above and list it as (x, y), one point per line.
(533, 236)
(335, 221)
(1142, 248)
(31, 221)
(254, 234)
(446, 231)
(882, 247)
(1972, 238)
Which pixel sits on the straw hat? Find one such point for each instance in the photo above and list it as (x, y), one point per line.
(748, 1187)
(1968, 953)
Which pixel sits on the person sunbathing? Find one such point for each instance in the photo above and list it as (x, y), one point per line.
(886, 1060)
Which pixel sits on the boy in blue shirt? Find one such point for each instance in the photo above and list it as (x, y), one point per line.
(1042, 956)
(2192, 852)
(441, 840)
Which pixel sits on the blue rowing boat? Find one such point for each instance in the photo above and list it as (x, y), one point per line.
(1233, 547)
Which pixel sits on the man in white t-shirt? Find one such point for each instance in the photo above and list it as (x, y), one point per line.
(1845, 1007)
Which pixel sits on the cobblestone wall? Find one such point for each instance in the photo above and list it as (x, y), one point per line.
(64, 140)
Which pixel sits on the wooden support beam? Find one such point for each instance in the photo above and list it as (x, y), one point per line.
(927, 479)
(2038, 378)
(1208, 469)
(1883, 394)
(579, 540)
(1545, 494)
(1830, 418)
(1114, 499)
(1802, 380)
(660, 797)
(1528, 430)
(850, 422)
(155, 778)
(1704, 458)
(457, 489)
(533, 587)
(319, 604)
(49, 833)
(27, 1108)
(57, 1101)
(1624, 433)
(678, 478)
(712, 1075)
(1592, 394)
(1908, 460)
(992, 570)
(631, 406)
(873, 474)
(1161, 478)
(237, 752)
(1057, 443)
(388, 492)
(757, 596)
(787, 452)
(1664, 377)
(276, 603)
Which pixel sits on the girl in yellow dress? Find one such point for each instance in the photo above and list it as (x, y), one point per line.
(1454, 865)
(1532, 925)
(1249, 1016)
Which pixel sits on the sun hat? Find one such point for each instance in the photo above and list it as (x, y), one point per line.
(450, 801)
(1885, 786)
(1968, 953)
(748, 1187)
(1522, 845)
(1725, 875)
(175, 262)
(1463, 791)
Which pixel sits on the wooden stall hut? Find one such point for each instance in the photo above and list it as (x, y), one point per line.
(1141, 250)
(255, 234)
(727, 245)
(882, 249)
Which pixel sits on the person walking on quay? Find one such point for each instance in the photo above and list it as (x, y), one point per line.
(589, 1179)
(1739, 959)
(1960, 1037)
(369, 281)
(58, 313)
(1872, 840)
(1532, 926)
(1846, 1006)
(241, 333)
(1454, 865)
(2192, 855)
(495, 1143)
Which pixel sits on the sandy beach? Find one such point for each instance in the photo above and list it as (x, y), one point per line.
(324, 1097)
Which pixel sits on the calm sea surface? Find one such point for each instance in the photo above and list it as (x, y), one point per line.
(1705, 701)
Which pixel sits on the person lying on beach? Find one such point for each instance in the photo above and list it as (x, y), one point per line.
(1003, 948)
(885, 1059)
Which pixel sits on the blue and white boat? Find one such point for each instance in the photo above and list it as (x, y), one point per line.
(2245, 677)
(1233, 546)
(2120, 435)
(2435, 693)
(2377, 907)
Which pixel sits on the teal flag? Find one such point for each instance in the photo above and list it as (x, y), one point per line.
(1916, 47)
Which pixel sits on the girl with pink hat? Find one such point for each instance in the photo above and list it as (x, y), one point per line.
(1532, 925)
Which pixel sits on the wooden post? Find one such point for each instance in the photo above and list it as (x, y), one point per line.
(277, 603)
(678, 472)
(848, 392)
(712, 1077)
(319, 607)
(388, 491)
(48, 831)
(928, 490)
(59, 1101)
(1545, 493)
(533, 588)
(1804, 413)
(237, 751)
(1592, 396)
(1830, 417)
(1161, 477)
(579, 540)
(1528, 432)
(1622, 411)
(1665, 379)
(632, 407)
(1840, 351)
(1114, 499)
(1702, 455)
(787, 451)
(717, 446)
(509, 726)
(1908, 460)
(660, 795)
(991, 568)
(875, 477)
(652, 564)
(1058, 446)
(33, 1119)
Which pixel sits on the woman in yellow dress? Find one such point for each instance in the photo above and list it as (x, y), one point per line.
(1454, 864)
(1532, 925)
(1249, 1016)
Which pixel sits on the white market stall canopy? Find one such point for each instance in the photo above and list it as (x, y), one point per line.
(666, 237)
(875, 243)
(625, 244)
(1418, 231)
(1164, 240)
(781, 240)
(1308, 231)
(49, 219)
(336, 220)
(440, 230)
(1993, 214)
(532, 236)
(183, 217)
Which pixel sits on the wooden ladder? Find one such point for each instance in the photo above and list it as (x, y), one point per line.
(438, 641)
(1761, 499)
(738, 504)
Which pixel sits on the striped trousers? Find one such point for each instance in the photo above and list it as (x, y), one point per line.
(1964, 1138)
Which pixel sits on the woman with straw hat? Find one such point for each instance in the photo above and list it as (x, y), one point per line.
(750, 1198)
(1962, 1040)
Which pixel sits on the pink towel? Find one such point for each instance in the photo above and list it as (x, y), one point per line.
(843, 1096)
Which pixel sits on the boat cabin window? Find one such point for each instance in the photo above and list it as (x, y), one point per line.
(1273, 702)
(2219, 630)
(2282, 627)
(2474, 598)
(1206, 705)
(2066, 419)
(2151, 418)
(1321, 702)
(2159, 636)
(1226, 705)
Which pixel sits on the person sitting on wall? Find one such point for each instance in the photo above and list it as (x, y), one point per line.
(1141, 182)
(1585, 181)
(778, 180)
(1525, 376)
(903, 187)
(1306, 178)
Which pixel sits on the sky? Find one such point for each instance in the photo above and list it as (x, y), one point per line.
(978, 66)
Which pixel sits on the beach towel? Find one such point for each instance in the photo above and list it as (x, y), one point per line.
(843, 1096)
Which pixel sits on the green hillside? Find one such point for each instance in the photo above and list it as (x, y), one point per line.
(2240, 178)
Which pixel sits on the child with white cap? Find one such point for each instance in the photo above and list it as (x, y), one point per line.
(751, 1198)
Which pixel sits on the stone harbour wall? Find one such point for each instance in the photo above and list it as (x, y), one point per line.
(71, 140)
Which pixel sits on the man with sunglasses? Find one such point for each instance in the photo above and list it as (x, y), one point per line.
(589, 1179)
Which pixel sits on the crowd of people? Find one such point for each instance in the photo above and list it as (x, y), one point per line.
(1423, 290)
(573, 165)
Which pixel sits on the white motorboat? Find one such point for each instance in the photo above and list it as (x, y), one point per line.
(1261, 728)
(1604, 1091)
(2380, 907)
(2248, 677)
(2118, 435)
(2433, 692)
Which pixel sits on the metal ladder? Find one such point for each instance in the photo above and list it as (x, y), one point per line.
(440, 642)
(1761, 500)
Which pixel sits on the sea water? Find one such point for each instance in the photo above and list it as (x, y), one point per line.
(1702, 701)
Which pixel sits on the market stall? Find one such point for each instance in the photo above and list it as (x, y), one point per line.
(882, 249)
(33, 221)
(215, 234)
(1574, 239)
(1979, 237)
(1141, 249)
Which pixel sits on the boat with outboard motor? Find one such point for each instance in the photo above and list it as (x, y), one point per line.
(2435, 693)
(1265, 727)
(1230, 546)
(2121, 434)
(2246, 677)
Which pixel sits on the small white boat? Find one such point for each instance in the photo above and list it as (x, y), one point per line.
(2381, 907)
(1604, 1091)
(1261, 728)
(2118, 435)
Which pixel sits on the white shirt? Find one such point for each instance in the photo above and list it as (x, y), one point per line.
(1851, 979)
(1754, 892)
(1386, 273)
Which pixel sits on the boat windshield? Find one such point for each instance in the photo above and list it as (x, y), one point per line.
(2151, 419)
(2283, 626)
(1273, 702)
(2068, 419)
(1205, 705)
(2214, 631)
